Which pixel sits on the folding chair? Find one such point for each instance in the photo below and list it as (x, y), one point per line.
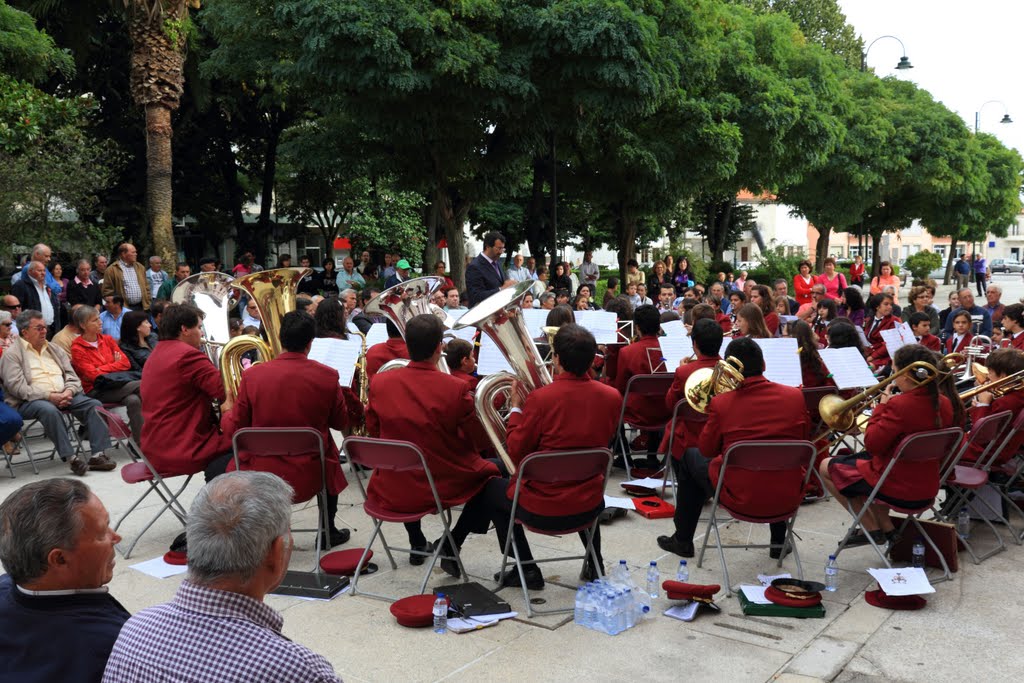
(285, 442)
(51, 453)
(812, 398)
(647, 386)
(138, 471)
(762, 456)
(682, 411)
(931, 446)
(962, 480)
(1005, 469)
(399, 456)
(550, 467)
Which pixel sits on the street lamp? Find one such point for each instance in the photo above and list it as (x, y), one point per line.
(903, 64)
(977, 115)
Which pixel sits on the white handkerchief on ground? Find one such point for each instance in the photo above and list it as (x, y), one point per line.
(159, 569)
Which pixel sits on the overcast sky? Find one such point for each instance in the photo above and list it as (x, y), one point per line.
(963, 54)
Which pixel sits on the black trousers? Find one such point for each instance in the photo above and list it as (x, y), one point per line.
(693, 490)
(474, 519)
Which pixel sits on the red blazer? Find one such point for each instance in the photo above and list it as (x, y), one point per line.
(725, 322)
(471, 380)
(965, 341)
(320, 404)
(379, 354)
(551, 420)
(1014, 402)
(1016, 342)
(435, 411)
(878, 356)
(759, 409)
(771, 321)
(91, 361)
(179, 435)
(802, 290)
(815, 374)
(633, 360)
(687, 432)
(611, 362)
(901, 416)
(930, 341)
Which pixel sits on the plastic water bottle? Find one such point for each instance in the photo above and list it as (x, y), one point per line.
(629, 606)
(621, 574)
(440, 614)
(831, 574)
(643, 605)
(918, 553)
(581, 597)
(653, 579)
(590, 608)
(963, 523)
(683, 573)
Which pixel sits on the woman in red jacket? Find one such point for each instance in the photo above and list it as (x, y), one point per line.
(909, 484)
(802, 283)
(94, 354)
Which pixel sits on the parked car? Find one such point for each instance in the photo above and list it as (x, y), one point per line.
(1006, 265)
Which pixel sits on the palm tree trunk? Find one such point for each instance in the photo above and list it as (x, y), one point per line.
(158, 180)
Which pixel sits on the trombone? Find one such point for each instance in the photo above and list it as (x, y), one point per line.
(841, 415)
(998, 387)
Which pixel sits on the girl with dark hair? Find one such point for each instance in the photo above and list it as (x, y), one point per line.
(683, 276)
(761, 297)
(587, 295)
(842, 334)
(330, 319)
(826, 313)
(328, 280)
(813, 370)
(851, 306)
(750, 321)
(137, 338)
(910, 484)
(561, 279)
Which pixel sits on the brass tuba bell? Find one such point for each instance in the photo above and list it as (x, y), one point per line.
(211, 293)
(404, 301)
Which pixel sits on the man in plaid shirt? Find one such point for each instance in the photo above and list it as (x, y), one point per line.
(217, 627)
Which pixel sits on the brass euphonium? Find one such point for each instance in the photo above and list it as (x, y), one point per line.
(704, 384)
(274, 293)
(211, 293)
(404, 301)
(500, 316)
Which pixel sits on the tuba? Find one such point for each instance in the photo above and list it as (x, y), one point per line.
(706, 383)
(274, 292)
(211, 293)
(500, 316)
(404, 301)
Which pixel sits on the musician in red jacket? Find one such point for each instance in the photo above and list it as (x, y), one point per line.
(435, 411)
(1013, 326)
(458, 353)
(643, 357)
(961, 337)
(707, 340)
(909, 484)
(320, 403)
(179, 384)
(878, 357)
(1000, 363)
(550, 419)
(922, 331)
(379, 354)
(751, 412)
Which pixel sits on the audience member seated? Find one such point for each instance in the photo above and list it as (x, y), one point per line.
(58, 619)
(113, 316)
(34, 295)
(82, 290)
(218, 628)
(69, 334)
(137, 338)
(105, 372)
(6, 331)
(40, 383)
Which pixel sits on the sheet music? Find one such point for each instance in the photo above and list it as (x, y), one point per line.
(898, 337)
(378, 334)
(902, 581)
(339, 354)
(491, 359)
(466, 333)
(602, 324)
(535, 319)
(781, 361)
(725, 344)
(674, 328)
(848, 367)
(674, 349)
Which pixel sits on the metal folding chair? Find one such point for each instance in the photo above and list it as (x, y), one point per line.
(682, 411)
(812, 398)
(50, 454)
(652, 385)
(399, 456)
(141, 470)
(762, 456)
(1006, 469)
(288, 442)
(549, 467)
(931, 446)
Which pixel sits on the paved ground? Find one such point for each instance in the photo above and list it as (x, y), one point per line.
(977, 612)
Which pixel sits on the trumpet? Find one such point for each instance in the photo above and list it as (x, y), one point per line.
(841, 415)
(999, 387)
(706, 383)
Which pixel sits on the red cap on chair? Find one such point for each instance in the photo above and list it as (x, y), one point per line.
(415, 611)
(677, 590)
(791, 600)
(879, 598)
(344, 562)
(175, 557)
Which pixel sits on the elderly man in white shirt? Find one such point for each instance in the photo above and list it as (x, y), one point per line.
(518, 272)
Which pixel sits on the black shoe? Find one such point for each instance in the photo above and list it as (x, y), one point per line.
(449, 565)
(534, 579)
(859, 538)
(619, 463)
(180, 544)
(417, 560)
(337, 537)
(777, 553)
(674, 545)
(589, 572)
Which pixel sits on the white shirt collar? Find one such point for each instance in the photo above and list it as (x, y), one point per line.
(68, 591)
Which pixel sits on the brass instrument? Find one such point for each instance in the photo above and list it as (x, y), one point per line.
(211, 293)
(998, 387)
(706, 383)
(364, 383)
(978, 349)
(404, 301)
(841, 415)
(500, 317)
(274, 292)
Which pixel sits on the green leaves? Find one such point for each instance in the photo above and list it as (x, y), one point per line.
(27, 53)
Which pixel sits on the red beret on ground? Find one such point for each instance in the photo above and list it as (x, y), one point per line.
(677, 590)
(175, 557)
(879, 598)
(415, 611)
(344, 562)
(791, 600)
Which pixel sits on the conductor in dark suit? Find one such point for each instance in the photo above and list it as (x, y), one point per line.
(484, 274)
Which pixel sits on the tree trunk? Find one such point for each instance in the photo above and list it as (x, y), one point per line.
(263, 224)
(627, 240)
(158, 181)
(535, 217)
(229, 172)
(876, 245)
(717, 217)
(821, 248)
(949, 260)
(456, 237)
(431, 254)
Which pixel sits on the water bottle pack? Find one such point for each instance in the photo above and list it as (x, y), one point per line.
(612, 604)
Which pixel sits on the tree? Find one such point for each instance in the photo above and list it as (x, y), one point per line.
(922, 263)
(27, 54)
(822, 22)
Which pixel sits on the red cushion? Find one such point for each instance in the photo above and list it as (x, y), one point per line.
(880, 598)
(677, 590)
(415, 611)
(786, 600)
(175, 557)
(135, 472)
(344, 562)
